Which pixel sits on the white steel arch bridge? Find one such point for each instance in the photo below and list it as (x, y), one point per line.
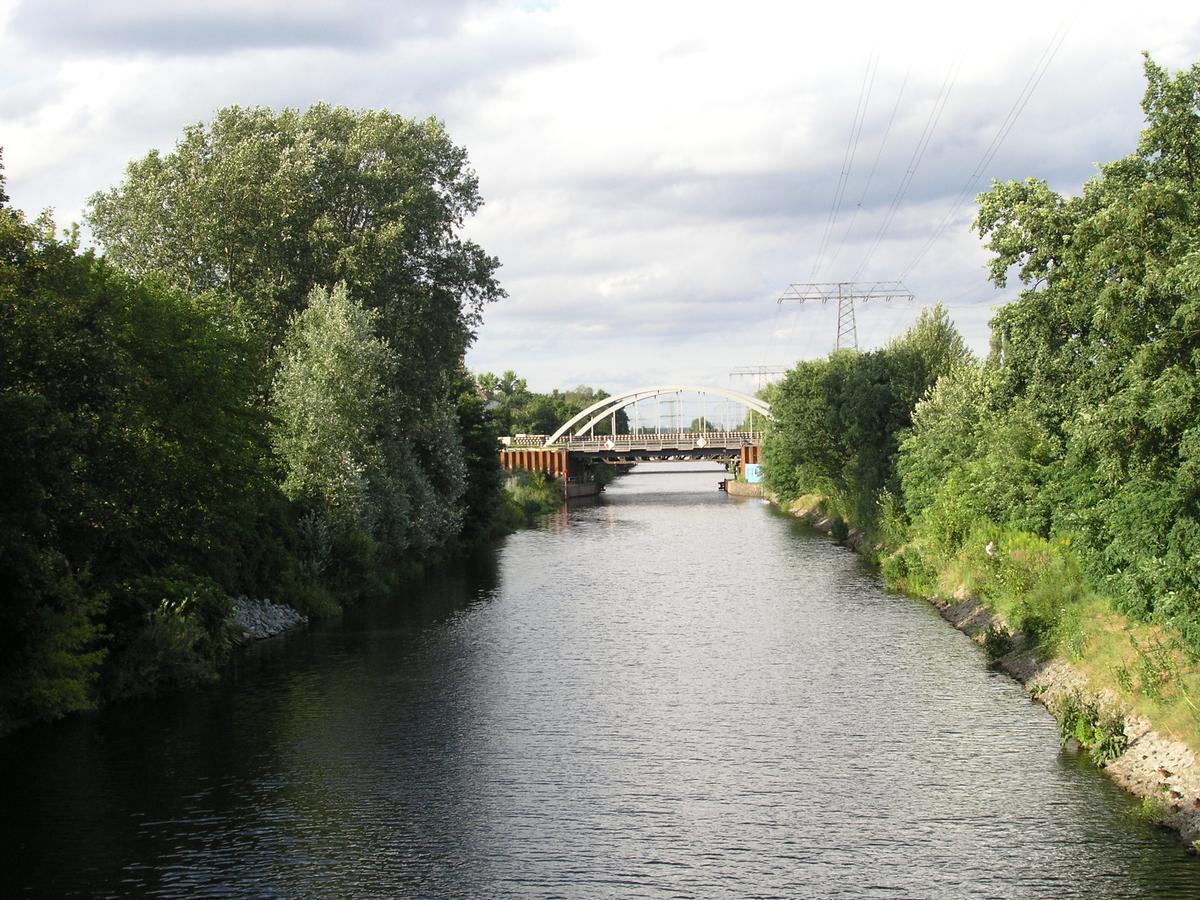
(583, 422)
(573, 450)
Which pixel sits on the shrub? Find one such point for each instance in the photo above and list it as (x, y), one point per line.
(313, 600)
(908, 569)
(1100, 732)
(1152, 809)
(529, 495)
(169, 631)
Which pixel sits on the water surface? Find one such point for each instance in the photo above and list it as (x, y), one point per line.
(668, 692)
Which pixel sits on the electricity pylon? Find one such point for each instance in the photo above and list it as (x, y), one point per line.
(845, 293)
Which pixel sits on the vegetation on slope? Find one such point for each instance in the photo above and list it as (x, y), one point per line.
(257, 389)
(1058, 479)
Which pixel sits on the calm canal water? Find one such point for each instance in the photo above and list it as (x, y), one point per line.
(670, 692)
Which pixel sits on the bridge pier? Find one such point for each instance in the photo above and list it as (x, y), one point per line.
(551, 463)
(554, 464)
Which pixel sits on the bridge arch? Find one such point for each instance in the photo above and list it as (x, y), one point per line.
(610, 405)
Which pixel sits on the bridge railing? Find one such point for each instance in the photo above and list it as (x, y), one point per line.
(664, 441)
(524, 441)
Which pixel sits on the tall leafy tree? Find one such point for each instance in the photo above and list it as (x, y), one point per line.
(838, 422)
(519, 410)
(1103, 347)
(261, 207)
(131, 447)
(330, 406)
(257, 209)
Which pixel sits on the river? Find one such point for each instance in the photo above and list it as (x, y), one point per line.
(667, 692)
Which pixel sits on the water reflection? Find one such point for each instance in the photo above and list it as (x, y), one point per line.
(665, 691)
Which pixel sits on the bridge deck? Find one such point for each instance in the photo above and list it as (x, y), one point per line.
(675, 445)
(679, 441)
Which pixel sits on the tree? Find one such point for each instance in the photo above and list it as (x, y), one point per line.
(838, 422)
(1102, 349)
(329, 403)
(131, 447)
(484, 476)
(262, 207)
(521, 411)
(799, 452)
(255, 210)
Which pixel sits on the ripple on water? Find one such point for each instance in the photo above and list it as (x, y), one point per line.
(667, 692)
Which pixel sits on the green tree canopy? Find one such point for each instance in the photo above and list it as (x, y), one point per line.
(1103, 348)
(130, 447)
(330, 405)
(519, 410)
(838, 421)
(261, 207)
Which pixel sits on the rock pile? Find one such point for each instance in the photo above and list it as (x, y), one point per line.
(253, 620)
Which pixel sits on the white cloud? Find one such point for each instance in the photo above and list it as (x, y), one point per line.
(654, 174)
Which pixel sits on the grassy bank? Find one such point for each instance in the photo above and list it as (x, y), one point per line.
(1037, 591)
(1125, 691)
(527, 496)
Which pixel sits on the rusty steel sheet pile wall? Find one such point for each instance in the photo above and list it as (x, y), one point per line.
(551, 463)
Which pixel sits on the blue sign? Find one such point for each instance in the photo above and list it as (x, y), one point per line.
(753, 473)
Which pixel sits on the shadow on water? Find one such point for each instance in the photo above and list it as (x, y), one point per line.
(665, 690)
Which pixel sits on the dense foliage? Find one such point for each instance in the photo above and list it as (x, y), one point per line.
(130, 447)
(259, 389)
(1065, 467)
(519, 410)
(838, 421)
(1084, 426)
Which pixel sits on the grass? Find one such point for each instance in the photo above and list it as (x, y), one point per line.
(1146, 666)
(1036, 586)
(527, 497)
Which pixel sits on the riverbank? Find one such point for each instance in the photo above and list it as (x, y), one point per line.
(1161, 771)
(257, 620)
(741, 489)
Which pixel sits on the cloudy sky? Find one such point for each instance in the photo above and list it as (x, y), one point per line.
(655, 174)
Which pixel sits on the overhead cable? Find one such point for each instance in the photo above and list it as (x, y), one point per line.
(856, 127)
(914, 163)
(989, 154)
(871, 175)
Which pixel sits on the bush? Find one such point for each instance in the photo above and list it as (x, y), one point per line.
(312, 600)
(169, 631)
(1100, 732)
(1034, 584)
(909, 569)
(527, 496)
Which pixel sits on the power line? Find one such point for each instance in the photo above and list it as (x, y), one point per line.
(931, 123)
(989, 154)
(874, 166)
(856, 127)
(770, 335)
